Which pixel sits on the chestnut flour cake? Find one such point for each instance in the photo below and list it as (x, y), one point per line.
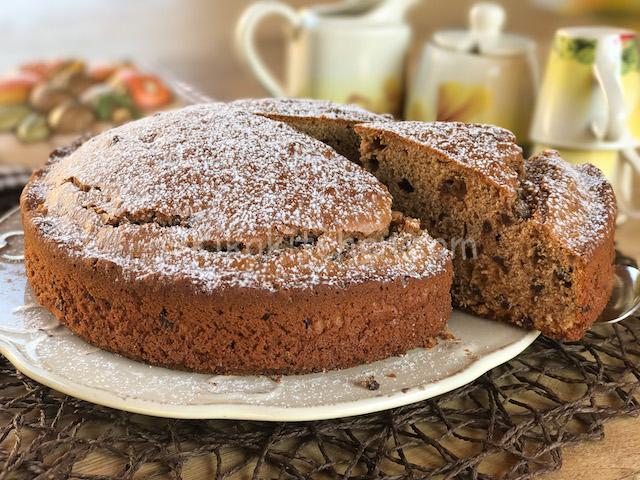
(532, 241)
(215, 240)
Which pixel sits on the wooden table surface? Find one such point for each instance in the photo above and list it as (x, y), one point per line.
(192, 39)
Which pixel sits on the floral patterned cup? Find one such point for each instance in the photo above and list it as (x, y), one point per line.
(590, 95)
(589, 105)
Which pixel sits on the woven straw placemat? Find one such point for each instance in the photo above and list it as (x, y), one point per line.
(519, 416)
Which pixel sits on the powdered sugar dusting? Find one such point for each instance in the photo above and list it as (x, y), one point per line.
(575, 201)
(490, 150)
(165, 196)
(308, 108)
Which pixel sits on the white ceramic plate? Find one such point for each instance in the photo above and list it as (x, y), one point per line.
(42, 349)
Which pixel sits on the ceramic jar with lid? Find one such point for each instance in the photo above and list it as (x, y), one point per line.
(477, 75)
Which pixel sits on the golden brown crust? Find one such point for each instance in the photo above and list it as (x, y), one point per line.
(235, 330)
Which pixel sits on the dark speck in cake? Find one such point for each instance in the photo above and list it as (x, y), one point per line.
(406, 186)
(370, 383)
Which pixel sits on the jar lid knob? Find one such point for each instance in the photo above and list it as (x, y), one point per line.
(486, 19)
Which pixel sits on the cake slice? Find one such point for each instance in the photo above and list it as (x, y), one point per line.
(329, 122)
(532, 241)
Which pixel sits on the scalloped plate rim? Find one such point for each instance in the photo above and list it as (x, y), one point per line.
(232, 411)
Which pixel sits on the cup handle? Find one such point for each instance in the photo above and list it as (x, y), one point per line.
(245, 40)
(606, 68)
(630, 156)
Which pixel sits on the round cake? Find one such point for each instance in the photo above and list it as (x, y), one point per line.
(215, 240)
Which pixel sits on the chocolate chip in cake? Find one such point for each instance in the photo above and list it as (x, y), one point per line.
(307, 323)
(525, 321)
(377, 144)
(538, 254)
(504, 303)
(536, 288)
(373, 164)
(165, 323)
(502, 263)
(506, 219)
(475, 291)
(487, 227)
(455, 187)
(563, 277)
(59, 305)
(406, 186)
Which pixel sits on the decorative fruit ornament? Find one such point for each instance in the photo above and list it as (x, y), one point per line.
(71, 117)
(105, 99)
(15, 88)
(46, 97)
(42, 70)
(100, 72)
(33, 128)
(11, 116)
(121, 76)
(148, 92)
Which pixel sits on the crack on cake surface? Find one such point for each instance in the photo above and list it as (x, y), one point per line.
(141, 217)
(260, 246)
(305, 239)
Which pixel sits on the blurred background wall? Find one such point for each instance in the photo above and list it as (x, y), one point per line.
(193, 38)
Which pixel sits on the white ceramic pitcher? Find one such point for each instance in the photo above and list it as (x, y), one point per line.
(350, 52)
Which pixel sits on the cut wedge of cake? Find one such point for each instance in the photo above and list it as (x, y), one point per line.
(329, 122)
(532, 241)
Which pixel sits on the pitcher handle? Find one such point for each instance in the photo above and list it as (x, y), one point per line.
(630, 156)
(245, 40)
(607, 70)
